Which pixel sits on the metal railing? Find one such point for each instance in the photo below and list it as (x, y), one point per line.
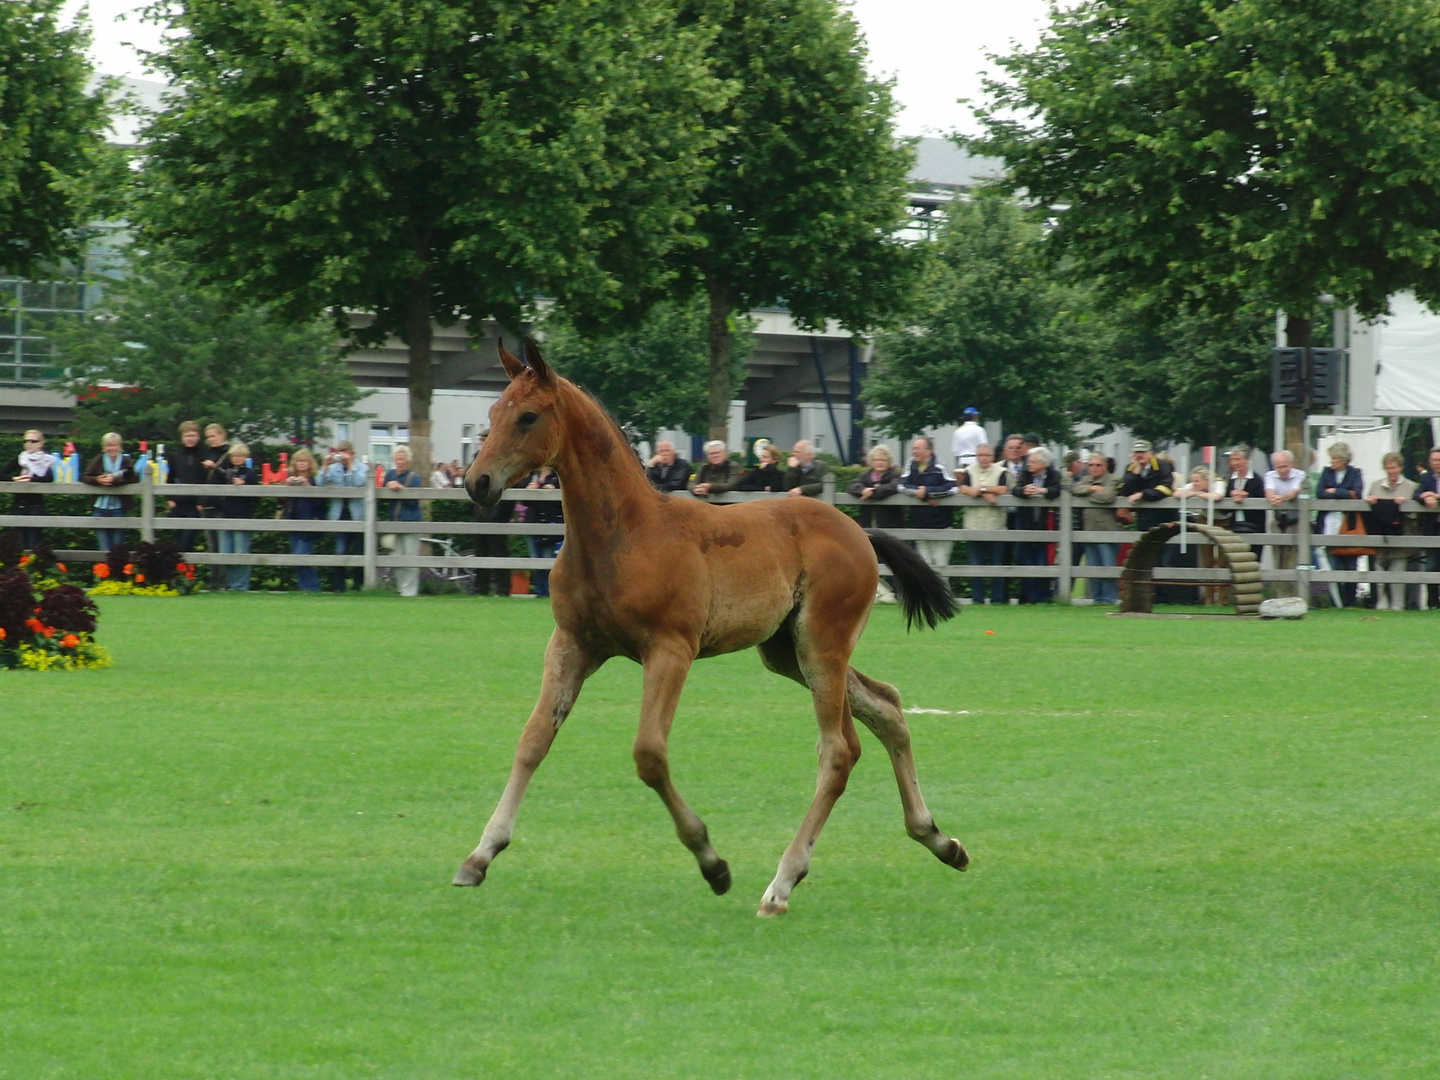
(149, 523)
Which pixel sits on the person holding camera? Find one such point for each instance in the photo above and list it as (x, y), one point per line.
(342, 470)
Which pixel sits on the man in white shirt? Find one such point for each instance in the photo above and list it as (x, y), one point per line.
(967, 439)
(1283, 484)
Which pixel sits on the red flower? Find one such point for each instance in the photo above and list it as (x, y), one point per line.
(129, 569)
(3, 634)
(24, 559)
(139, 579)
(70, 641)
(102, 570)
(48, 631)
(34, 625)
(61, 567)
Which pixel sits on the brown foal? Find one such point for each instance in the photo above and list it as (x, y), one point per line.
(793, 577)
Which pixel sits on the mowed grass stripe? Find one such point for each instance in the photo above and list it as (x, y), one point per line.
(1200, 849)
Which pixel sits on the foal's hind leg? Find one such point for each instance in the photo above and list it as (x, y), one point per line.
(665, 672)
(877, 706)
(822, 667)
(567, 666)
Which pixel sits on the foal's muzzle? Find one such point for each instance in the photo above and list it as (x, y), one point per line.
(482, 491)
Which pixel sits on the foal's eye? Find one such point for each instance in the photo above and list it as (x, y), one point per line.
(529, 418)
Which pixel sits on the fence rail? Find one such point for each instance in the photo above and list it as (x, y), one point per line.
(372, 526)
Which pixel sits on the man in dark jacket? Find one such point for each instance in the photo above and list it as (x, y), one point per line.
(1148, 479)
(668, 471)
(806, 475)
(1242, 484)
(1039, 483)
(187, 466)
(1429, 496)
(926, 480)
(719, 474)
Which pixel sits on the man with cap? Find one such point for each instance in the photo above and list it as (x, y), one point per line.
(1148, 479)
(967, 437)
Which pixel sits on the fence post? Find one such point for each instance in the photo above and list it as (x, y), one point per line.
(147, 506)
(1067, 545)
(1303, 553)
(372, 536)
(827, 488)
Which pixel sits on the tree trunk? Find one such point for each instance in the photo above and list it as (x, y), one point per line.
(1297, 335)
(420, 380)
(718, 390)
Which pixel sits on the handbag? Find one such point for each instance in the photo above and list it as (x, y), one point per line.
(1353, 525)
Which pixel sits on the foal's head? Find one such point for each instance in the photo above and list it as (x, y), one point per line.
(524, 429)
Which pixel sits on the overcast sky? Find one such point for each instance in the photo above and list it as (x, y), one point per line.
(935, 49)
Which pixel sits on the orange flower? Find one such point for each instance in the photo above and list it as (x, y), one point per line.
(24, 559)
(69, 641)
(139, 579)
(48, 631)
(3, 634)
(34, 625)
(61, 567)
(129, 569)
(102, 570)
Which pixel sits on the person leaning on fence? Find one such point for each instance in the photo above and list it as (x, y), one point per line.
(667, 471)
(806, 474)
(986, 480)
(342, 470)
(187, 466)
(543, 513)
(1199, 491)
(927, 480)
(1429, 496)
(767, 475)
(1283, 485)
(1095, 491)
(302, 474)
(1386, 497)
(238, 472)
(878, 482)
(1340, 480)
(397, 478)
(213, 459)
(111, 467)
(719, 474)
(1147, 479)
(1039, 483)
(36, 467)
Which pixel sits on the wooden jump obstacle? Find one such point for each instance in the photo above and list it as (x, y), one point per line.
(1137, 580)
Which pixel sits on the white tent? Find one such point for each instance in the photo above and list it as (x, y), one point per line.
(1407, 359)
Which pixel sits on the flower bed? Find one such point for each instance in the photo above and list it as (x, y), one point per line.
(44, 625)
(150, 570)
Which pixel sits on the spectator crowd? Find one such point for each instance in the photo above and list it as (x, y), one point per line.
(889, 496)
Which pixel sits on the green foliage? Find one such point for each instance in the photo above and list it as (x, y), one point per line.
(653, 376)
(1192, 377)
(51, 134)
(1208, 154)
(421, 160)
(162, 348)
(802, 199)
(992, 325)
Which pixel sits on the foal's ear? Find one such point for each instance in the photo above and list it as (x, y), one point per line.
(510, 361)
(536, 361)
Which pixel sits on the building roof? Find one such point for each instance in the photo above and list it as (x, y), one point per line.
(939, 163)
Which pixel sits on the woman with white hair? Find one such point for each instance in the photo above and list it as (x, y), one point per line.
(1387, 496)
(718, 475)
(111, 467)
(1039, 482)
(399, 477)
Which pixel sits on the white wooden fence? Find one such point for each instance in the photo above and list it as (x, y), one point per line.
(151, 498)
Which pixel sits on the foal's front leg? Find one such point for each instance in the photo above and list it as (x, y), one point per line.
(567, 666)
(665, 670)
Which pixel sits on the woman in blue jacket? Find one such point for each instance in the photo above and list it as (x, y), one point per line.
(399, 477)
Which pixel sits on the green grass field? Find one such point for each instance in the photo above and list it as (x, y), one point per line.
(1200, 849)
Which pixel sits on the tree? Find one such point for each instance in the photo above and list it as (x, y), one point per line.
(161, 349)
(992, 325)
(655, 376)
(51, 134)
(420, 160)
(1210, 153)
(803, 198)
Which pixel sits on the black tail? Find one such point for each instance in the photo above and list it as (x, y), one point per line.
(923, 593)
